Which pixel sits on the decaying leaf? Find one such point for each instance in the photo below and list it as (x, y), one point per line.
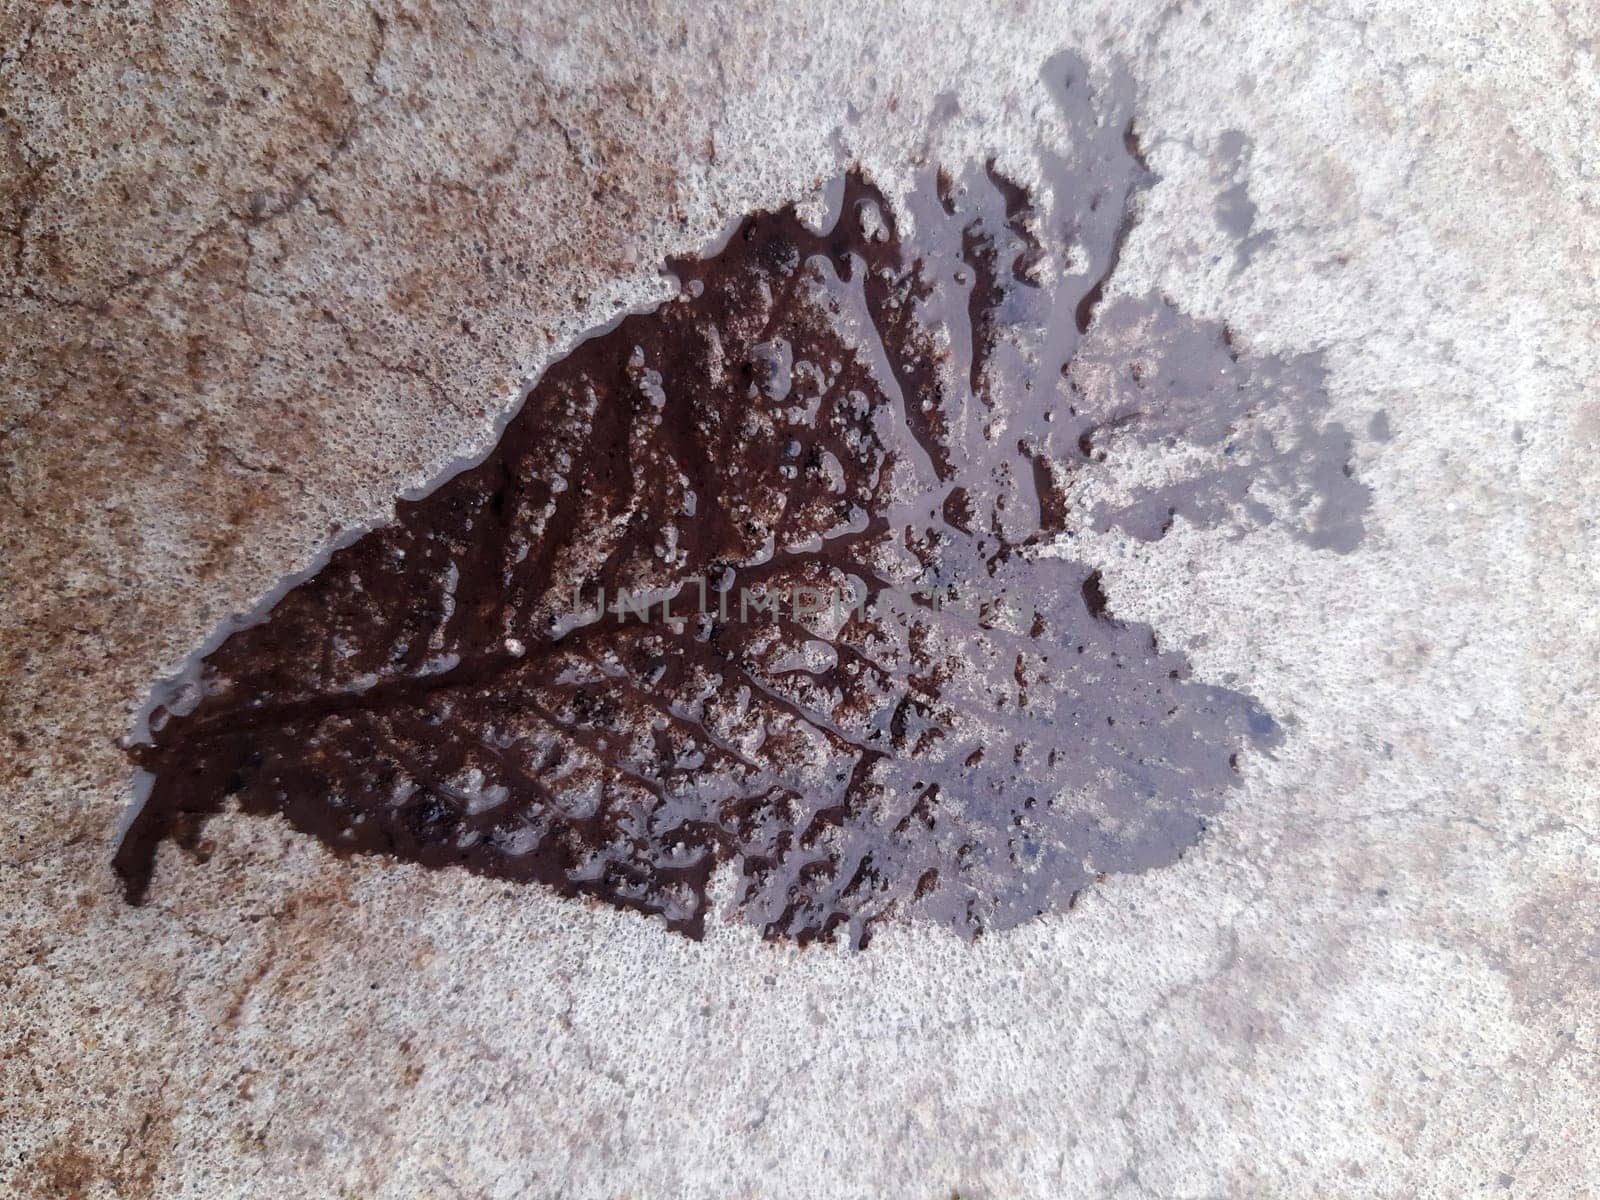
(824, 492)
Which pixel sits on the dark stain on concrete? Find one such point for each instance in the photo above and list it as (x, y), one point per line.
(901, 417)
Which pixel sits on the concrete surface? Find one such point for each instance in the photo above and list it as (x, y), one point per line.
(265, 266)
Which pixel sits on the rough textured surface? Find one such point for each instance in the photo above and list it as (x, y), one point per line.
(261, 272)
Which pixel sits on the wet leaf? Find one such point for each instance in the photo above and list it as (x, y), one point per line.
(886, 431)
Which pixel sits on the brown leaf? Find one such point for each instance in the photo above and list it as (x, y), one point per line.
(901, 418)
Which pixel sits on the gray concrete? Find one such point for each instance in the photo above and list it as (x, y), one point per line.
(261, 272)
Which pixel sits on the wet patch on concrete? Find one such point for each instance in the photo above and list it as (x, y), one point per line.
(1210, 434)
(1235, 211)
(770, 580)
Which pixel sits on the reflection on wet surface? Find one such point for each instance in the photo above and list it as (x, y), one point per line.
(903, 417)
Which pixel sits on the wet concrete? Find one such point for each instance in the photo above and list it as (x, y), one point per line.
(262, 271)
